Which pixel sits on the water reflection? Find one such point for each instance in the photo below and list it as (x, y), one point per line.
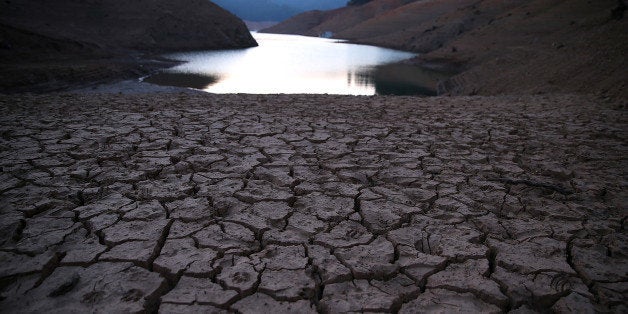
(362, 78)
(403, 79)
(192, 80)
(297, 64)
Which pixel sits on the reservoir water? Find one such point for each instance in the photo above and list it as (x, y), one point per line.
(288, 64)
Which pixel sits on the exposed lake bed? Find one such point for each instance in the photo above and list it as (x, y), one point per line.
(310, 203)
(173, 176)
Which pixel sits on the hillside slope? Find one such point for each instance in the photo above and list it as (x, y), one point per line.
(515, 46)
(142, 25)
(314, 23)
(48, 45)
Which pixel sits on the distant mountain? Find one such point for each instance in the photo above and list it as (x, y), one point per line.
(515, 46)
(275, 10)
(305, 5)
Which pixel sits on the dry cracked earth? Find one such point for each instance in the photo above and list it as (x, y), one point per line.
(183, 203)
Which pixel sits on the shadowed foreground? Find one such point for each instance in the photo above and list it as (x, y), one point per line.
(178, 203)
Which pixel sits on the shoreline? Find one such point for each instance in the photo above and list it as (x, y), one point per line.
(85, 73)
(79, 73)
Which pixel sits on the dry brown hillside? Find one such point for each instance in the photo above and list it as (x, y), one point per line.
(515, 46)
(314, 23)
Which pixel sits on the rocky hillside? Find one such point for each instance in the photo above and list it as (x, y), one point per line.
(516, 46)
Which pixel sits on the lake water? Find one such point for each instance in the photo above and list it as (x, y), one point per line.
(288, 64)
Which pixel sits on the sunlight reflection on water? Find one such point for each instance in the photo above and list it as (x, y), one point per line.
(290, 64)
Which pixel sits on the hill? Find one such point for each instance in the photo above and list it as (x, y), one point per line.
(519, 46)
(142, 25)
(47, 44)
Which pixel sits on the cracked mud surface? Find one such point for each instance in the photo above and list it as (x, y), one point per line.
(246, 203)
